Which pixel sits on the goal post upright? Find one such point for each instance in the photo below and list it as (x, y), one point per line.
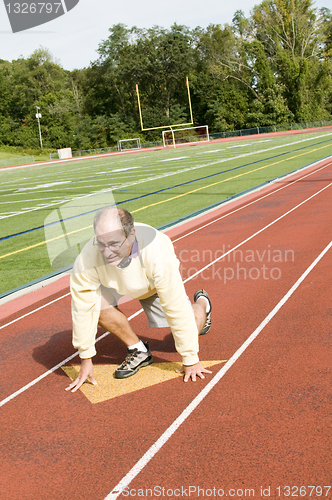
(139, 107)
(189, 100)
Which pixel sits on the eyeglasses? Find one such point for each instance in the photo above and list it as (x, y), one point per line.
(113, 247)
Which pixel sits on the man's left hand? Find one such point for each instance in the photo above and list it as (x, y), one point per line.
(192, 371)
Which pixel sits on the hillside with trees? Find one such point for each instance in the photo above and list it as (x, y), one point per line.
(272, 68)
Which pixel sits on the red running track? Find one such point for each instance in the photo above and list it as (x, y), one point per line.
(266, 422)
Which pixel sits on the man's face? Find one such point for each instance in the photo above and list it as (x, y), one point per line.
(112, 242)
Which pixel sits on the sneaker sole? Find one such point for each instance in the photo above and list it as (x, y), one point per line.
(120, 375)
(204, 331)
(197, 295)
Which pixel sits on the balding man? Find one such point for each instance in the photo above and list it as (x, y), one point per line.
(135, 260)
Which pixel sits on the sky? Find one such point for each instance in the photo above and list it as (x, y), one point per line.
(73, 38)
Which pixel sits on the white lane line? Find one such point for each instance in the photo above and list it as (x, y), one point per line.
(196, 230)
(34, 310)
(257, 232)
(141, 310)
(43, 375)
(251, 202)
(139, 466)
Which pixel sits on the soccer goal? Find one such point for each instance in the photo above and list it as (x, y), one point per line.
(125, 144)
(185, 135)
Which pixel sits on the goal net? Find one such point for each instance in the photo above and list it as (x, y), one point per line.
(185, 135)
(125, 144)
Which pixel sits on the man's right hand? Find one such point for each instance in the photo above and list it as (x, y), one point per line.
(86, 371)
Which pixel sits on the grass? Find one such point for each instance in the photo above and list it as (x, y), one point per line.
(157, 186)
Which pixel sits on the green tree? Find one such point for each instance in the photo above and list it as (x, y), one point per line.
(37, 81)
(290, 31)
(224, 80)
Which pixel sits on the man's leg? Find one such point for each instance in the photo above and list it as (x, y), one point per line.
(201, 307)
(139, 354)
(113, 320)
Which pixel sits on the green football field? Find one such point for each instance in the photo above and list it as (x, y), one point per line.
(48, 209)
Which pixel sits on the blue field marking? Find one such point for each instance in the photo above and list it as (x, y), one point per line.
(171, 187)
(168, 225)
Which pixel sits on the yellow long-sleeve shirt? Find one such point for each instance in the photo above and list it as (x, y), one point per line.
(155, 269)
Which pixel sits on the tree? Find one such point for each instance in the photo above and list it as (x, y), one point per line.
(37, 81)
(291, 34)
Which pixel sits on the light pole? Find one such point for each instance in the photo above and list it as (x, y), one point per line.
(38, 115)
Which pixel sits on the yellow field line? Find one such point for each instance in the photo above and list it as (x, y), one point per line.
(224, 180)
(168, 199)
(44, 242)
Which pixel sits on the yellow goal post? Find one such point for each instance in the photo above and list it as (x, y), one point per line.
(166, 126)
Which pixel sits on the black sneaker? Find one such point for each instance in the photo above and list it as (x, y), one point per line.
(133, 362)
(207, 325)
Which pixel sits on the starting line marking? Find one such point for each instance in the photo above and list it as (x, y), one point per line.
(139, 466)
(59, 365)
(108, 387)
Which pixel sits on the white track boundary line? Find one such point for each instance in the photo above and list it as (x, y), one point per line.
(38, 379)
(237, 209)
(141, 310)
(247, 204)
(34, 310)
(202, 227)
(139, 466)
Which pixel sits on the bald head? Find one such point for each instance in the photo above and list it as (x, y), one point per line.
(112, 218)
(115, 234)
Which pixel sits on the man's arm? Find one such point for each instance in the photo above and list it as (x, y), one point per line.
(164, 268)
(85, 292)
(85, 307)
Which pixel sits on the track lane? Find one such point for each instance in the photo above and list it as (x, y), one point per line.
(47, 323)
(267, 423)
(47, 405)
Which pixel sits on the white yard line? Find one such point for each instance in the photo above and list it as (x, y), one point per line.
(168, 174)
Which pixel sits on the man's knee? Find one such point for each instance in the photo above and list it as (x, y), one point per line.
(107, 313)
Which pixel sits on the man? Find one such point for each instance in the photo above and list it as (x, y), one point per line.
(138, 261)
